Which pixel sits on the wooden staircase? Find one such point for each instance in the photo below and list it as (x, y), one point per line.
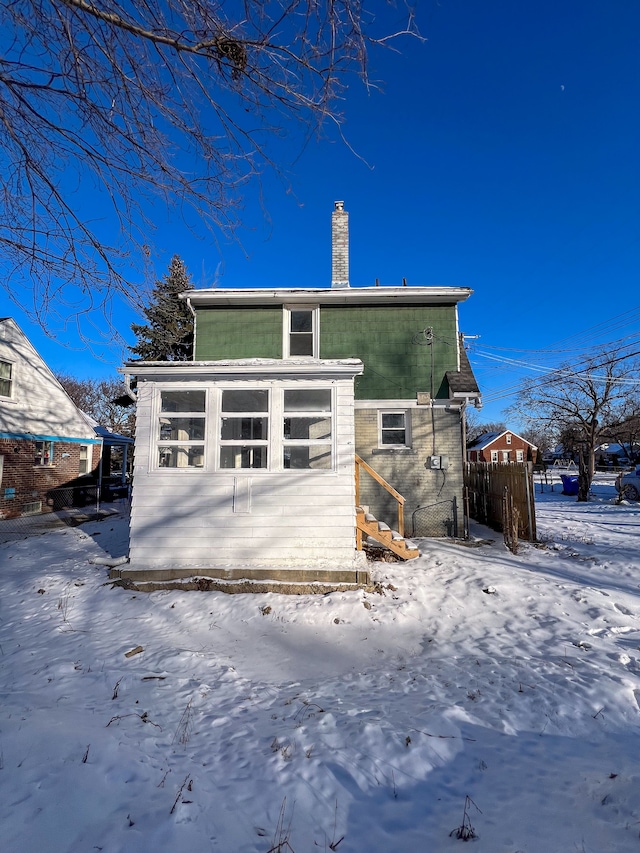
(368, 524)
(382, 533)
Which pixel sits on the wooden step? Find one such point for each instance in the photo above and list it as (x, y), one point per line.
(382, 533)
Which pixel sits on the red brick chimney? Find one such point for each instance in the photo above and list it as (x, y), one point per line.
(339, 246)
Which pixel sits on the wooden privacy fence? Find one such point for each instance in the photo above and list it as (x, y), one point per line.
(499, 494)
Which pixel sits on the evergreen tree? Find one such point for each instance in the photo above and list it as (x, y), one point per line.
(168, 335)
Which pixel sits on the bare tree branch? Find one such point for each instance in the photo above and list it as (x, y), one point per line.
(158, 102)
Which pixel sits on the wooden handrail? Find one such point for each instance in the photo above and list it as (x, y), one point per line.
(398, 497)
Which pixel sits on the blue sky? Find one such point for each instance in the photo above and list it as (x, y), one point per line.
(501, 154)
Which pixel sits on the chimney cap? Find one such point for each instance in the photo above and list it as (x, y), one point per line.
(339, 205)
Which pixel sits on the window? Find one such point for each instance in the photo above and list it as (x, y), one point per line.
(494, 455)
(508, 438)
(301, 332)
(85, 459)
(6, 379)
(244, 431)
(181, 429)
(519, 456)
(307, 428)
(44, 453)
(393, 429)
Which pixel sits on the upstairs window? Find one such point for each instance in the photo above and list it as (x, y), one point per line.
(6, 379)
(508, 438)
(181, 429)
(393, 430)
(43, 453)
(301, 332)
(307, 428)
(244, 431)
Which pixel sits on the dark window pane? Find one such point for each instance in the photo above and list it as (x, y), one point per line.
(313, 429)
(307, 400)
(181, 429)
(316, 457)
(244, 456)
(181, 457)
(182, 401)
(301, 321)
(243, 429)
(301, 344)
(245, 400)
(392, 420)
(393, 436)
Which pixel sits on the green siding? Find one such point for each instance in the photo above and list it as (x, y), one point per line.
(238, 332)
(383, 337)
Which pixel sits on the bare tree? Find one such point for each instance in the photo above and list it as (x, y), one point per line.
(475, 428)
(100, 399)
(582, 402)
(163, 101)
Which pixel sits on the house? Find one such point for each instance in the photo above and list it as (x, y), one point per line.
(309, 418)
(505, 446)
(46, 443)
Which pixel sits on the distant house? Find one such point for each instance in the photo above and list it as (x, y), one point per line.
(506, 446)
(50, 454)
(269, 447)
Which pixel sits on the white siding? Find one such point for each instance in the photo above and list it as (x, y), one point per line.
(186, 518)
(38, 404)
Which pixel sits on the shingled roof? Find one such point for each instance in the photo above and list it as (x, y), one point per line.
(462, 383)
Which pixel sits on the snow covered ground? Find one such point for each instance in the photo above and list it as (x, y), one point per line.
(356, 722)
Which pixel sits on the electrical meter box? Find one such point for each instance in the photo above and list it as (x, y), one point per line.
(438, 463)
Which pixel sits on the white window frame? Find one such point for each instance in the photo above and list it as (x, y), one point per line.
(88, 459)
(286, 329)
(310, 443)
(519, 455)
(11, 379)
(159, 443)
(381, 428)
(508, 438)
(494, 455)
(251, 443)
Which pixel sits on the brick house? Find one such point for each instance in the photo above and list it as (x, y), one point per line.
(506, 446)
(247, 455)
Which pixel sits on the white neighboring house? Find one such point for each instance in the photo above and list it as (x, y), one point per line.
(46, 442)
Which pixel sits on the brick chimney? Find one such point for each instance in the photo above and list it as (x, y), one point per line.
(339, 246)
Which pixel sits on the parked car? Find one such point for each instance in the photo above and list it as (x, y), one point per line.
(629, 484)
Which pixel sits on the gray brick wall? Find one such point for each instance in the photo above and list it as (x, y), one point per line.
(405, 470)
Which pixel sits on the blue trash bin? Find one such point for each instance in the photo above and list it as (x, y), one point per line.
(569, 484)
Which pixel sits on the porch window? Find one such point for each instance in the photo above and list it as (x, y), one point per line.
(393, 430)
(6, 379)
(307, 429)
(301, 332)
(181, 429)
(43, 453)
(244, 431)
